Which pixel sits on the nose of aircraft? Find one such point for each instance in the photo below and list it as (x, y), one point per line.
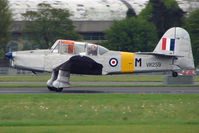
(9, 55)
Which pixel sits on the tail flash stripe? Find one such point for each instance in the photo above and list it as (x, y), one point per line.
(164, 40)
(172, 44)
(168, 44)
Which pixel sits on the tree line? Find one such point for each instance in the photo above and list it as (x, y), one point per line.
(5, 21)
(142, 32)
(134, 33)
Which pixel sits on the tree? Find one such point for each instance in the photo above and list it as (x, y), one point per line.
(5, 21)
(131, 34)
(191, 24)
(164, 14)
(130, 13)
(48, 24)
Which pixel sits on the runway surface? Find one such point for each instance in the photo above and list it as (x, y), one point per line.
(96, 83)
(94, 90)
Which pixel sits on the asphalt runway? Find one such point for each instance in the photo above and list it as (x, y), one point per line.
(95, 90)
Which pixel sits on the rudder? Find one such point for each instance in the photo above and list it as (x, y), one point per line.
(176, 41)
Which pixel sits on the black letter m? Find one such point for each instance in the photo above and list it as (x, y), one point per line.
(138, 61)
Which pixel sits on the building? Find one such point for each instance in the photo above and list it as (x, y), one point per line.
(90, 17)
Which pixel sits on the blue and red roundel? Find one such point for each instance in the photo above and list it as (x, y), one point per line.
(113, 62)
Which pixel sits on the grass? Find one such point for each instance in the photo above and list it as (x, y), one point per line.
(87, 85)
(104, 129)
(86, 78)
(82, 78)
(99, 113)
(24, 78)
(118, 113)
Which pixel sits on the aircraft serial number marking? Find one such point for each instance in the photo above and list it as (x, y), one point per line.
(154, 64)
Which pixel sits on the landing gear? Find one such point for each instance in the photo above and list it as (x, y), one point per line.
(59, 89)
(51, 80)
(59, 80)
(174, 74)
(55, 89)
(51, 88)
(62, 80)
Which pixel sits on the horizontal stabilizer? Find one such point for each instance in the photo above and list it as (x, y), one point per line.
(159, 54)
(176, 43)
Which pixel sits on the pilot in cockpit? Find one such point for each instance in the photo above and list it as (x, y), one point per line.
(93, 50)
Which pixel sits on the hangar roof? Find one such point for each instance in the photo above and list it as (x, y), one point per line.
(89, 10)
(81, 10)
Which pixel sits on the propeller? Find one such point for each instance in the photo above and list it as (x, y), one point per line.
(9, 55)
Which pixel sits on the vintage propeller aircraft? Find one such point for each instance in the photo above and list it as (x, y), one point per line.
(173, 52)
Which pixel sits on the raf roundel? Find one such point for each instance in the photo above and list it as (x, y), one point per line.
(113, 62)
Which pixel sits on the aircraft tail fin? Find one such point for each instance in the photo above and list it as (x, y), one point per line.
(176, 41)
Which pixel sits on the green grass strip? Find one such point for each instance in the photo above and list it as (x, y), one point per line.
(104, 129)
(86, 78)
(98, 109)
(97, 85)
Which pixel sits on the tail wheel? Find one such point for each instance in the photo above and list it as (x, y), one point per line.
(174, 74)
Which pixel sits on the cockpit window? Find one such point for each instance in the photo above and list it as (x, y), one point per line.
(82, 48)
(67, 47)
(63, 47)
(102, 50)
(55, 47)
(92, 49)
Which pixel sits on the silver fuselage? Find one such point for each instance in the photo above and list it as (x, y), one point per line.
(45, 60)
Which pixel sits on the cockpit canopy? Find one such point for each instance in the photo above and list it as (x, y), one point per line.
(82, 48)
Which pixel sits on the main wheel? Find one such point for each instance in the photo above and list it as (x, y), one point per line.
(174, 74)
(59, 89)
(51, 88)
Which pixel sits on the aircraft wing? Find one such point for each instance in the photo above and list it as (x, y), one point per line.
(82, 65)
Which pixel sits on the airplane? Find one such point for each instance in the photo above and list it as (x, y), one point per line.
(173, 52)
